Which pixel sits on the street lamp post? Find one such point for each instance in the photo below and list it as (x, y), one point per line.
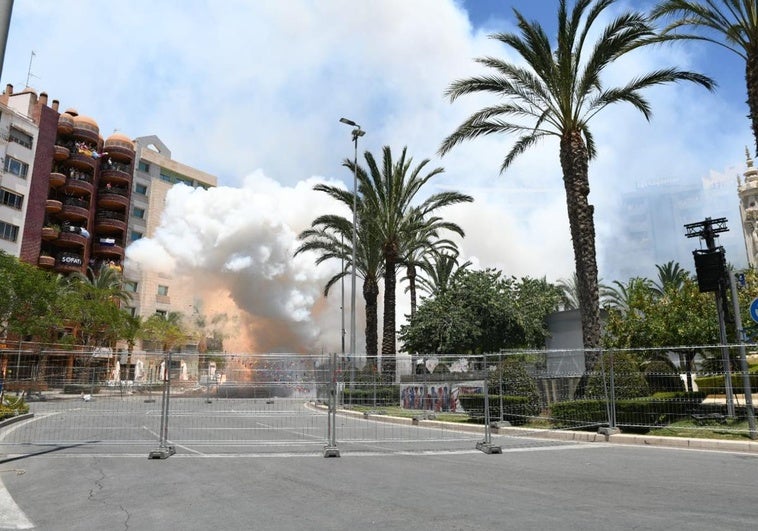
(357, 133)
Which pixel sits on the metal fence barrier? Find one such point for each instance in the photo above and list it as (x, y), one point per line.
(202, 404)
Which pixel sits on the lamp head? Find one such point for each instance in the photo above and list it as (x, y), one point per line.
(348, 122)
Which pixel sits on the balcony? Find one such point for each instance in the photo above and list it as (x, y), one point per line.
(107, 222)
(79, 185)
(71, 239)
(113, 198)
(68, 262)
(46, 261)
(50, 233)
(65, 124)
(53, 206)
(86, 129)
(82, 161)
(57, 179)
(60, 152)
(116, 175)
(108, 247)
(75, 209)
(119, 148)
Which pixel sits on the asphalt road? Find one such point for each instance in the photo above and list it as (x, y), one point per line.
(388, 477)
(568, 486)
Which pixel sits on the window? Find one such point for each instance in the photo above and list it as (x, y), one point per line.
(162, 313)
(136, 235)
(144, 166)
(140, 189)
(19, 137)
(131, 310)
(10, 199)
(166, 178)
(16, 167)
(163, 290)
(8, 232)
(130, 286)
(138, 212)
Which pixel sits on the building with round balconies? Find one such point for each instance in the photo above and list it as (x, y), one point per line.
(88, 196)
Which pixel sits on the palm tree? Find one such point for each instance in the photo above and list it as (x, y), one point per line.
(388, 194)
(557, 94)
(331, 236)
(440, 272)
(422, 244)
(732, 24)
(670, 276)
(622, 297)
(569, 292)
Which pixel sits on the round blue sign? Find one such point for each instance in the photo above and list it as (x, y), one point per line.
(754, 310)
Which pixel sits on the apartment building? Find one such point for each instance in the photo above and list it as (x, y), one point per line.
(72, 192)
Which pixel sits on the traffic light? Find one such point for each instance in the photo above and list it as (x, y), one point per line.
(710, 267)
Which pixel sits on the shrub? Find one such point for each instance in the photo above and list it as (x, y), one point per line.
(661, 375)
(663, 408)
(516, 409)
(13, 407)
(628, 380)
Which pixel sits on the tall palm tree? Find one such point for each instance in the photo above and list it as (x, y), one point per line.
(331, 237)
(732, 24)
(440, 271)
(569, 292)
(388, 196)
(557, 94)
(670, 276)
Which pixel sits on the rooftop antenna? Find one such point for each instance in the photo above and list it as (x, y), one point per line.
(29, 74)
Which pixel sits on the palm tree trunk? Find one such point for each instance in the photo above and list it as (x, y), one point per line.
(388, 321)
(751, 78)
(370, 295)
(574, 164)
(411, 270)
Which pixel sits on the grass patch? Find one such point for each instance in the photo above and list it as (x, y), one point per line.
(736, 430)
(396, 411)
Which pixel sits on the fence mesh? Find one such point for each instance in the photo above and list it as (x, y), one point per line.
(238, 403)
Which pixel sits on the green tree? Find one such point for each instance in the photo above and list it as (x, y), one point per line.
(557, 94)
(28, 296)
(168, 330)
(671, 276)
(482, 312)
(388, 196)
(732, 24)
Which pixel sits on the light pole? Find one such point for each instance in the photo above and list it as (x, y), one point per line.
(357, 133)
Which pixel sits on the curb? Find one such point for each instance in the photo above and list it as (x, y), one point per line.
(721, 445)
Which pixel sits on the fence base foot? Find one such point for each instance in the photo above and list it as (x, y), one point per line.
(162, 453)
(331, 451)
(489, 448)
(608, 431)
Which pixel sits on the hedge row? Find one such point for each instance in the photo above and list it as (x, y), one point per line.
(660, 409)
(714, 384)
(386, 395)
(516, 409)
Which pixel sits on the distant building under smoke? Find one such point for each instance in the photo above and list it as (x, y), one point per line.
(650, 228)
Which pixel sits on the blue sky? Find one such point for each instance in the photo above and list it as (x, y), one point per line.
(253, 94)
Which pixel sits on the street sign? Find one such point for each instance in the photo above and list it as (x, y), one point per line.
(754, 310)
